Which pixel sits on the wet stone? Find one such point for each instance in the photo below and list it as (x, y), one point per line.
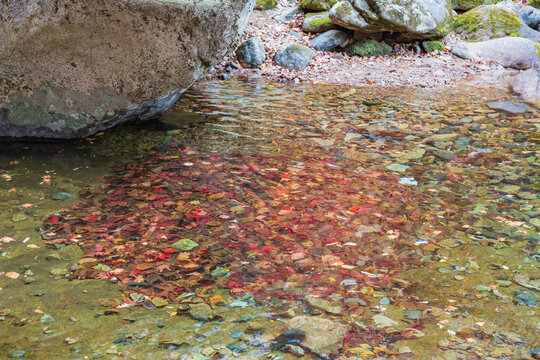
(202, 312)
(236, 347)
(512, 108)
(236, 334)
(526, 298)
(323, 336)
(62, 196)
(413, 314)
(325, 305)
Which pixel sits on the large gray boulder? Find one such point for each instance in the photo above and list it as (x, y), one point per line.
(514, 52)
(70, 68)
(418, 19)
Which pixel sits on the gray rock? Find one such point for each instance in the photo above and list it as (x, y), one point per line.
(508, 107)
(72, 68)
(527, 85)
(328, 40)
(251, 52)
(509, 5)
(295, 56)
(288, 14)
(323, 336)
(513, 52)
(530, 16)
(529, 33)
(417, 19)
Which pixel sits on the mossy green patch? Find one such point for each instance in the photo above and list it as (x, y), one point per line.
(369, 47)
(318, 5)
(535, 3)
(265, 4)
(487, 23)
(471, 4)
(537, 47)
(430, 46)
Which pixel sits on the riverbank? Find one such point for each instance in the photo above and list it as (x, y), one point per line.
(406, 66)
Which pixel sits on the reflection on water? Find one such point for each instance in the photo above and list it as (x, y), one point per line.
(265, 220)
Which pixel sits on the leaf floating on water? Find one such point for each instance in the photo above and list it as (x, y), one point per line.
(13, 275)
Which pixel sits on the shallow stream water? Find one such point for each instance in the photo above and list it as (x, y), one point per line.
(262, 220)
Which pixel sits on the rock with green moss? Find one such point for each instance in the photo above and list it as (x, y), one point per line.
(69, 69)
(369, 47)
(265, 4)
(317, 22)
(413, 19)
(513, 52)
(464, 5)
(431, 46)
(490, 22)
(318, 5)
(295, 56)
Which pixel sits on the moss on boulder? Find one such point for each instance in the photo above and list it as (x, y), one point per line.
(412, 19)
(431, 46)
(465, 5)
(369, 47)
(317, 22)
(535, 3)
(317, 5)
(487, 22)
(265, 4)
